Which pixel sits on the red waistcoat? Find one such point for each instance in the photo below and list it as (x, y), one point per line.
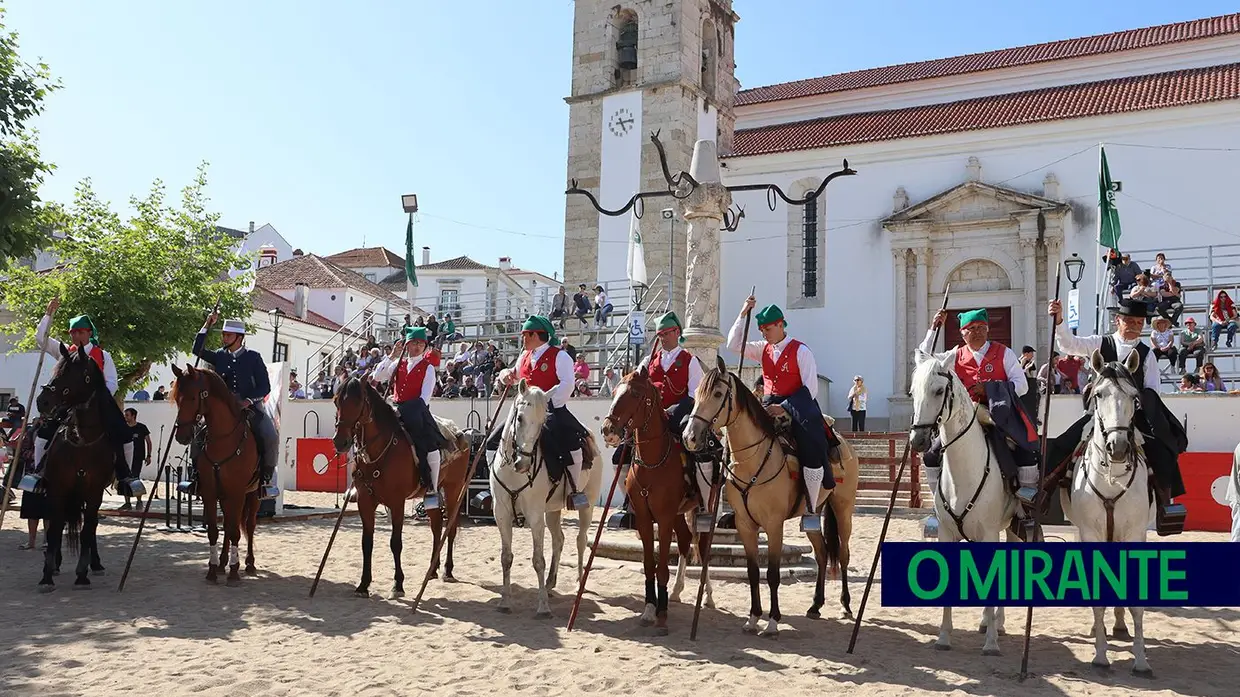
(93, 351)
(970, 373)
(541, 374)
(409, 382)
(781, 378)
(673, 383)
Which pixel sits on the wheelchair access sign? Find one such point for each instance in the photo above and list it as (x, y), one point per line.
(1074, 308)
(637, 328)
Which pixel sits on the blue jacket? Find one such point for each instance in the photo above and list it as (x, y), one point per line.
(245, 373)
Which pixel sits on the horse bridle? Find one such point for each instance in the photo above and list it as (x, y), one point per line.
(1130, 461)
(947, 405)
(361, 447)
(201, 413)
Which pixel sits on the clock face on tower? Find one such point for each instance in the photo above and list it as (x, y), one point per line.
(621, 122)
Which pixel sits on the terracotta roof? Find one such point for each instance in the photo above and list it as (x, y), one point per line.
(456, 264)
(265, 301)
(992, 60)
(316, 272)
(1179, 88)
(367, 257)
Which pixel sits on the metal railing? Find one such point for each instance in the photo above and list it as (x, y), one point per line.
(339, 342)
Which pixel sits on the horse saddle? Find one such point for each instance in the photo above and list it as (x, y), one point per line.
(783, 431)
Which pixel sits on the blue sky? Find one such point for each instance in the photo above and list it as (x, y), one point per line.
(315, 116)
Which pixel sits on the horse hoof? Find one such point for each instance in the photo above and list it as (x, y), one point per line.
(398, 593)
(46, 587)
(361, 593)
(503, 609)
(813, 613)
(251, 570)
(749, 630)
(1147, 673)
(542, 615)
(232, 581)
(991, 652)
(98, 572)
(78, 586)
(942, 647)
(644, 622)
(847, 614)
(1103, 665)
(981, 629)
(1121, 633)
(56, 572)
(449, 578)
(770, 634)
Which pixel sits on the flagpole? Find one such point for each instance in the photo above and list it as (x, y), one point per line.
(1100, 275)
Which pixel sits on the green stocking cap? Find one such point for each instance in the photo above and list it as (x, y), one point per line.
(538, 323)
(669, 321)
(967, 318)
(770, 315)
(84, 322)
(416, 334)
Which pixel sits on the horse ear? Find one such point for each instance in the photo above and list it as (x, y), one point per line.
(1096, 362)
(720, 365)
(1133, 362)
(921, 357)
(643, 373)
(64, 352)
(176, 371)
(523, 386)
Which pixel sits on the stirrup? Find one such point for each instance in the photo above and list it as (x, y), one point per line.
(930, 527)
(430, 501)
(811, 523)
(702, 522)
(578, 501)
(1027, 495)
(267, 492)
(136, 488)
(186, 487)
(30, 483)
(1169, 519)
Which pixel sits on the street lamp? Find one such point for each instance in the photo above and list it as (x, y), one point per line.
(1075, 267)
(669, 215)
(410, 203)
(276, 317)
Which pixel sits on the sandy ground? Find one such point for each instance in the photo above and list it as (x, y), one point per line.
(171, 633)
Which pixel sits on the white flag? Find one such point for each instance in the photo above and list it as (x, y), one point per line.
(637, 254)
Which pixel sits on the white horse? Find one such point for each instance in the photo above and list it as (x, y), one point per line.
(972, 501)
(1110, 497)
(1233, 494)
(519, 483)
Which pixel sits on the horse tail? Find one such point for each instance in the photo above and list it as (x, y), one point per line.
(832, 538)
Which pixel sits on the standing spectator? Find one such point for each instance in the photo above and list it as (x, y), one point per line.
(568, 348)
(858, 395)
(138, 450)
(1125, 275)
(34, 504)
(404, 327)
(581, 371)
(1069, 369)
(432, 330)
(295, 390)
(1222, 316)
(1170, 299)
(321, 387)
(1162, 339)
(160, 394)
(1192, 342)
(559, 306)
(1211, 381)
(1029, 363)
(602, 308)
(142, 395)
(1048, 376)
(13, 417)
(581, 303)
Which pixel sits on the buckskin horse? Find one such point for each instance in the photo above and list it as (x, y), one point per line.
(764, 491)
(521, 484)
(386, 472)
(77, 465)
(658, 490)
(227, 465)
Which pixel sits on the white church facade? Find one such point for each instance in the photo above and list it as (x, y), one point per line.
(976, 171)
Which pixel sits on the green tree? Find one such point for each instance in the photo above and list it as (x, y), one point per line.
(147, 282)
(22, 90)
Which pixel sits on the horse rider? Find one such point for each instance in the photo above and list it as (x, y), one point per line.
(677, 374)
(994, 377)
(1165, 438)
(83, 337)
(790, 380)
(412, 371)
(245, 373)
(545, 366)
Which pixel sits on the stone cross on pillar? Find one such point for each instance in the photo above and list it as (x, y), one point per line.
(704, 209)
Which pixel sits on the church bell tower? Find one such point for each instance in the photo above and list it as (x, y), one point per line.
(642, 66)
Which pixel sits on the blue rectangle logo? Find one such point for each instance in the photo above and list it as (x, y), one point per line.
(1065, 574)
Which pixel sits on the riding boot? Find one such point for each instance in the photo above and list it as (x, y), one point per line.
(1169, 517)
(813, 477)
(431, 500)
(576, 499)
(126, 485)
(703, 474)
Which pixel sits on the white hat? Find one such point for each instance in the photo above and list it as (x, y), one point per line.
(235, 326)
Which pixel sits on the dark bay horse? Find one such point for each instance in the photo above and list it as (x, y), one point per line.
(658, 490)
(386, 472)
(77, 464)
(227, 465)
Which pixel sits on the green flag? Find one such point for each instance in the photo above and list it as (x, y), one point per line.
(410, 272)
(1108, 215)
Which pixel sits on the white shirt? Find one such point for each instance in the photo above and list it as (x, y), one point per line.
(667, 358)
(754, 349)
(1011, 362)
(385, 369)
(1086, 345)
(600, 299)
(563, 372)
(52, 347)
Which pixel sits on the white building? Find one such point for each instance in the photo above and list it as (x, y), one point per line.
(373, 263)
(474, 292)
(980, 171)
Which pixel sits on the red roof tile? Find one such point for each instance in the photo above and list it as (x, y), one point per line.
(456, 264)
(992, 60)
(1129, 94)
(316, 272)
(266, 301)
(367, 257)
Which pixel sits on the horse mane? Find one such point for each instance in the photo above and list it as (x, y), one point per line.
(746, 401)
(215, 385)
(636, 376)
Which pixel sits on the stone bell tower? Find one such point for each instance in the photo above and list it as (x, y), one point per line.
(641, 66)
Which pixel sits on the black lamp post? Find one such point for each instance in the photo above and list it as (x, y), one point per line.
(276, 317)
(1075, 268)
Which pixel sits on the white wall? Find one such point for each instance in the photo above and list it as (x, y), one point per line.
(472, 289)
(854, 333)
(619, 179)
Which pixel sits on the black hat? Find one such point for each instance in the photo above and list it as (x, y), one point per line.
(1028, 349)
(1133, 308)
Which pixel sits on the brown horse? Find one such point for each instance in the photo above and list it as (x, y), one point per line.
(386, 472)
(657, 488)
(227, 464)
(77, 465)
(764, 490)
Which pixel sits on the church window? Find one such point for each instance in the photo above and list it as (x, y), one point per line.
(626, 44)
(809, 229)
(710, 53)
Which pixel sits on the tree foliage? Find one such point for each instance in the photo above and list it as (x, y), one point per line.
(23, 88)
(147, 282)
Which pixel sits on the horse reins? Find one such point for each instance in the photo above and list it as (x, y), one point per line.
(361, 447)
(1108, 502)
(730, 471)
(948, 405)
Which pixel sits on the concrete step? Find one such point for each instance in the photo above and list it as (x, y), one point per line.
(722, 555)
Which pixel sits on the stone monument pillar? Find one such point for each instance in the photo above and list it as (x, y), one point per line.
(704, 211)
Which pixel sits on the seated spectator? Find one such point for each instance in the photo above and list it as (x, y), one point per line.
(1192, 343)
(451, 389)
(602, 308)
(1125, 275)
(1144, 292)
(1162, 339)
(295, 390)
(1170, 299)
(559, 306)
(1190, 383)
(581, 371)
(1211, 381)
(581, 304)
(469, 389)
(1159, 270)
(608, 386)
(1222, 316)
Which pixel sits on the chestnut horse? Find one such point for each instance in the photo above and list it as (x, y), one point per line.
(77, 464)
(657, 488)
(764, 491)
(227, 465)
(386, 472)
